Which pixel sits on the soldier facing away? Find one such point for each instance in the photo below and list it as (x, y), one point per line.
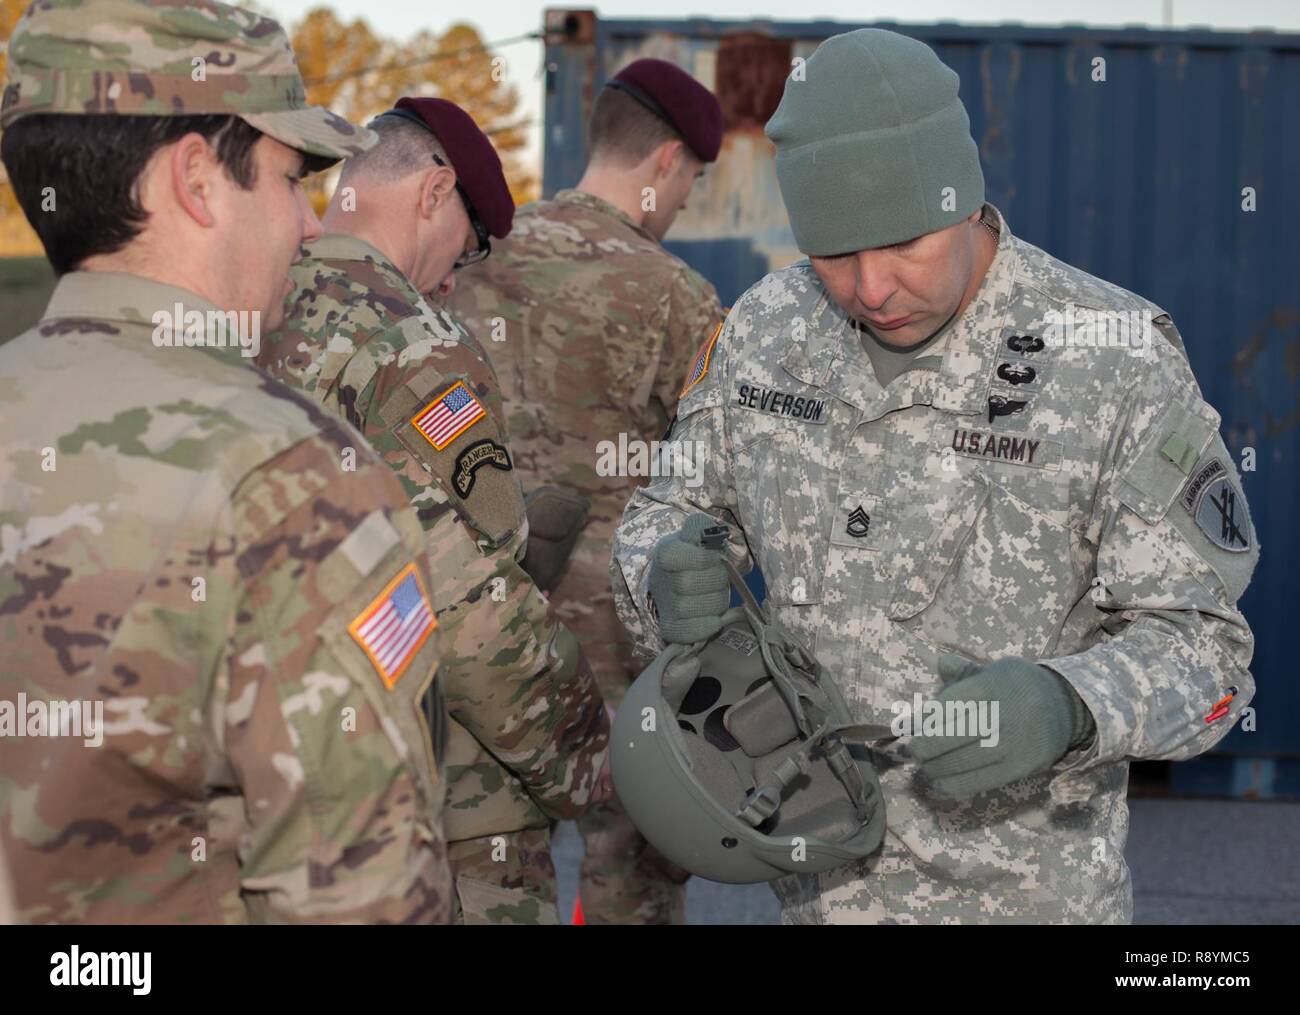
(958, 500)
(216, 638)
(591, 325)
(528, 734)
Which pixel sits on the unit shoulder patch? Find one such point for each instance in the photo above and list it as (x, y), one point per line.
(1213, 501)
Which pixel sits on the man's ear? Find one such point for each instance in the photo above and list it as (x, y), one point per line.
(436, 185)
(193, 169)
(667, 157)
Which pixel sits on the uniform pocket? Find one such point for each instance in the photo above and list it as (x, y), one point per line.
(484, 903)
(997, 577)
(445, 424)
(401, 706)
(782, 507)
(918, 574)
(1161, 467)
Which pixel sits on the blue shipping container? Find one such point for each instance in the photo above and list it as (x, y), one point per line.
(1131, 153)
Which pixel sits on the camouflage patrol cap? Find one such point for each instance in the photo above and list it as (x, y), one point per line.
(168, 58)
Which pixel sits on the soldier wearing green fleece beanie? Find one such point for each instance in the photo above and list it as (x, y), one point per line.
(1022, 523)
(873, 146)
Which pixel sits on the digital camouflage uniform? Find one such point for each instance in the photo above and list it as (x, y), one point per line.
(591, 325)
(1067, 503)
(529, 732)
(179, 542)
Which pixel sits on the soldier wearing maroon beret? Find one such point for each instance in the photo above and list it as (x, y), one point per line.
(595, 328)
(528, 729)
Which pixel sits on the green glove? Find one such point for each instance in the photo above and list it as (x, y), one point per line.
(688, 583)
(1040, 718)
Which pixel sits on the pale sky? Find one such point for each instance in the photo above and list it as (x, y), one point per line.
(503, 19)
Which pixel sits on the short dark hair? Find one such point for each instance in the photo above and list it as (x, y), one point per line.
(623, 131)
(93, 163)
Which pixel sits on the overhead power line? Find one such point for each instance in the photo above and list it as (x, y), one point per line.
(423, 61)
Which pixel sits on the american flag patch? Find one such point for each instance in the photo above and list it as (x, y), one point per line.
(449, 415)
(393, 627)
(701, 366)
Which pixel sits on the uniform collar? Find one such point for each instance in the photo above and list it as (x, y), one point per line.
(115, 296)
(346, 247)
(137, 302)
(598, 204)
(833, 357)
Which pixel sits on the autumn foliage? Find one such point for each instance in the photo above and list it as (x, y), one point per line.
(358, 74)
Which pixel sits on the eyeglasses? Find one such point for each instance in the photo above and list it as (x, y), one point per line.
(480, 230)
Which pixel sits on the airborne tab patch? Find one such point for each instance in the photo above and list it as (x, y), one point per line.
(702, 359)
(449, 415)
(393, 627)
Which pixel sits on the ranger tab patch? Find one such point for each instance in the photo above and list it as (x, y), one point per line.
(702, 359)
(396, 623)
(449, 415)
(473, 458)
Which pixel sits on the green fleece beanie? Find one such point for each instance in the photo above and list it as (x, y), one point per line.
(873, 146)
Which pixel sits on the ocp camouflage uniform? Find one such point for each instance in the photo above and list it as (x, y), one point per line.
(529, 732)
(179, 542)
(139, 58)
(591, 325)
(1069, 503)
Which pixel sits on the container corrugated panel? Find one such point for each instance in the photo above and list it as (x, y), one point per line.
(1127, 152)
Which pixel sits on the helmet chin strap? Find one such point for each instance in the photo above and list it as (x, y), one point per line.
(798, 678)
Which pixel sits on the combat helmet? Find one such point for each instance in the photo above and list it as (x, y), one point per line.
(737, 757)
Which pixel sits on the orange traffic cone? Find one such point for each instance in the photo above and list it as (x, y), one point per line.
(578, 919)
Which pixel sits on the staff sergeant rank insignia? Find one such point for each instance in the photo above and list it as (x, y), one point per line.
(473, 458)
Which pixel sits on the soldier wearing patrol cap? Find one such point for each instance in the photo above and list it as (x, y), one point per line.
(214, 601)
(528, 734)
(965, 503)
(592, 326)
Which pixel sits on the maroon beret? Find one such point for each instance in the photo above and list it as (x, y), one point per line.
(477, 165)
(678, 99)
